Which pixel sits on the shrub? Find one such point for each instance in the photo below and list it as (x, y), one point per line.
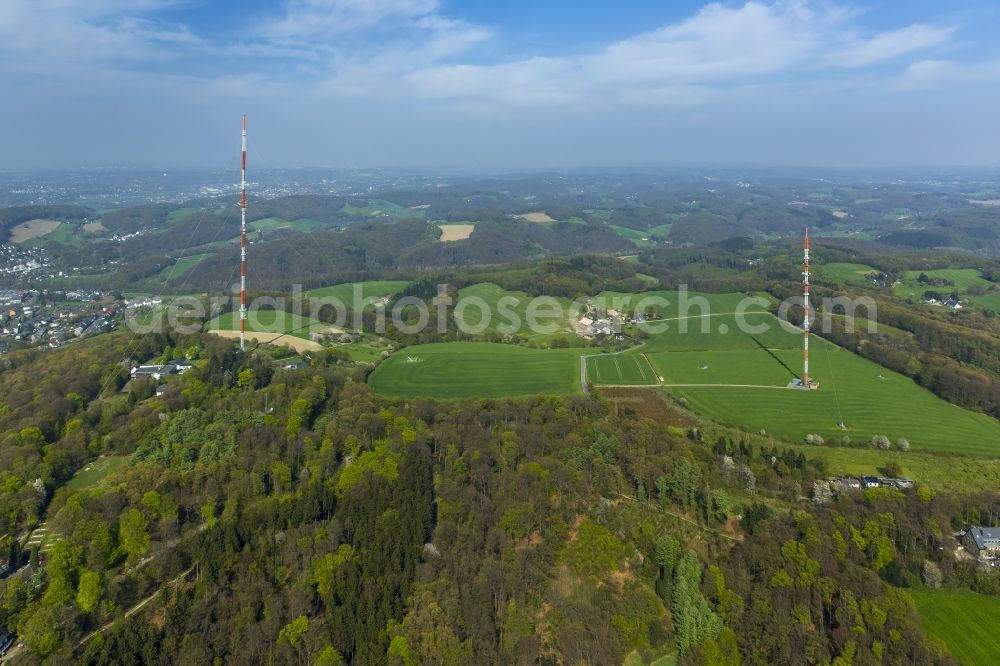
(881, 442)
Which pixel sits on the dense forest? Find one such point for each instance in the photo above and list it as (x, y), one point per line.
(264, 515)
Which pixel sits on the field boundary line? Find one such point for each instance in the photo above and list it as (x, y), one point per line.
(767, 386)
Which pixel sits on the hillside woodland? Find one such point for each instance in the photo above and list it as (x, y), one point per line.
(283, 516)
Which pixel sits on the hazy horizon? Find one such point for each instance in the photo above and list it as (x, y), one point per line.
(404, 84)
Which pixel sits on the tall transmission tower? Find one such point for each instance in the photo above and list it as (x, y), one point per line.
(243, 240)
(806, 308)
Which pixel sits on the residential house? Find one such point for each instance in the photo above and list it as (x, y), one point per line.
(983, 542)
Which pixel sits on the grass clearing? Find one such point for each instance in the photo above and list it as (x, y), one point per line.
(180, 214)
(966, 621)
(278, 224)
(638, 238)
(477, 370)
(380, 208)
(845, 273)
(94, 473)
(356, 296)
(181, 267)
(661, 231)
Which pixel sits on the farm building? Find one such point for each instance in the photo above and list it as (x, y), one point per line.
(983, 542)
(154, 371)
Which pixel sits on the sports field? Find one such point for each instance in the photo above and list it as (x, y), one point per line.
(967, 623)
(631, 369)
(477, 369)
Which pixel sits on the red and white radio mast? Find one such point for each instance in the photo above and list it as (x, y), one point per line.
(806, 308)
(243, 239)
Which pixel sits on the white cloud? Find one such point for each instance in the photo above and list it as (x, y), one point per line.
(926, 74)
(326, 18)
(891, 44)
(720, 46)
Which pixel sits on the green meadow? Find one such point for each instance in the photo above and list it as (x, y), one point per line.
(93, 474)
(277, 224)
(967, 622)
(935, 470)
(477, 369)
(181, 267)
(638, 238)
(381, 208)
(509, 309)
(844, 273)
(373, 289)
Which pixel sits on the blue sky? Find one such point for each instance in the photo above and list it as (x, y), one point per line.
(512, 84)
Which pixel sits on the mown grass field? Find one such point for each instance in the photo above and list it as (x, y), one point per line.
(620, 370)
(967, 623)
(722, 331)
(477, 369)
(738, 366)
(965, 279)
(870, 400)
(268, 321)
